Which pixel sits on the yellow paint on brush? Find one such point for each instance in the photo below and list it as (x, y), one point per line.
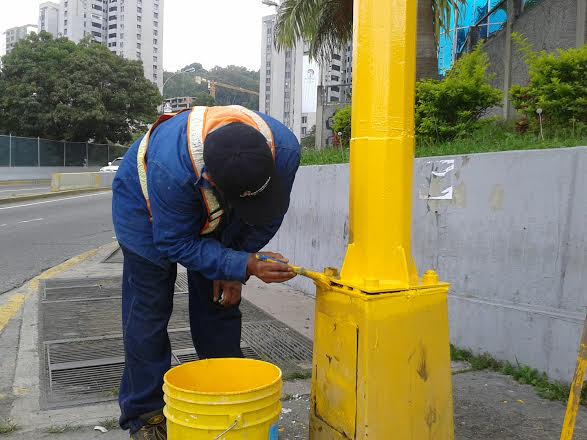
(317, 277)
(10, 309)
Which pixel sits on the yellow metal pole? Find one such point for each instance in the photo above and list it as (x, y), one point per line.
(576, 388)
(382, 145)
(381, 366)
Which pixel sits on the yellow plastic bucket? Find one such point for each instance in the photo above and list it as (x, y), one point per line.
(229, 399)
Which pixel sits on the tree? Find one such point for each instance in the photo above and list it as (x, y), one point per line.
(56, 89)
(186, 84)
(203, 99)
(326, 24)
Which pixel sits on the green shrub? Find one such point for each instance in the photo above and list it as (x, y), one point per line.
(452, 106)
(557, 85)
(341, 123)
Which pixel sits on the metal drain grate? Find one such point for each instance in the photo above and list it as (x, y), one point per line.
(181, 282)
(82, 341)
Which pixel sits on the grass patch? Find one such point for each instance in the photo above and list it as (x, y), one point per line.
(326, 156)
(523, 374)
(7, 426)
(60, 429)
(297, 375)
(490, 137)
(109, 424)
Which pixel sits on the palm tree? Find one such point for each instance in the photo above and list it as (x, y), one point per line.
(326, 24)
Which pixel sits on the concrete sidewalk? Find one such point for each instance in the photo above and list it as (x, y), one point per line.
(487, 405)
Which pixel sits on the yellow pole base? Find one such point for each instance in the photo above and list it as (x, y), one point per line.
(381, 365)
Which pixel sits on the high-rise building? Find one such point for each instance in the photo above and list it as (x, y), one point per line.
(286, 83)
(132, 29)
(49, 18)
(15, 34)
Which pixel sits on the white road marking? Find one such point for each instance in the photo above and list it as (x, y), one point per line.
(3, 225)
(24, 189)
(54, 200)
(33, 220)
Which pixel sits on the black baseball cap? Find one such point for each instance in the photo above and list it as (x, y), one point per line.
(240, 163)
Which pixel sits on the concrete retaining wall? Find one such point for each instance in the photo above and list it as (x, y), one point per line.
(71, 181)
(39, 173)
(508, 230)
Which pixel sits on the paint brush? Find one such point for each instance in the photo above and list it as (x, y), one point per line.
(317, 277)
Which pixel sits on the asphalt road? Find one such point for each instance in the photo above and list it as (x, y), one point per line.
(37, 235)
(22, 189)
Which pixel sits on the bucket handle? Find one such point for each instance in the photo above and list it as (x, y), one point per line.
(230, 428)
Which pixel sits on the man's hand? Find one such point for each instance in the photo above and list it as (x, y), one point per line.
(267, 271)
(229, 290)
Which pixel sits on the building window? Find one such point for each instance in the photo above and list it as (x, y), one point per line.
(122, 9)
(334, 99)
(335, 67)
(138, 45)
(139, 27)
(155, 41)
(65, 31)
(139, 10)
(65, 4)
(156, 15)
(121, 43)
(65, 13)
(155, 76)
(96, 7)
(97, 34)
(155, 33)
(335, 89)
(138, 55)
(111, 35)
(121, 35)
(112, 17)
(64, 22)
(335, 78)
(155, 60)
(267, 88)
(336, 56)
(155, 50)
(112, 9)
(97, 25)
(304, 119)
(155, 24)
(303, 130)
(139, 18)
(138, 36)
(154, 68)
(112, 26)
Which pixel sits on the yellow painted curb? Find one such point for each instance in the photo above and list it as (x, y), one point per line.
(33, 285)
(14, 304)
(10, 309)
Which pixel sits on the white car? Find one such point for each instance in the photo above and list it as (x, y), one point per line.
(112, 166)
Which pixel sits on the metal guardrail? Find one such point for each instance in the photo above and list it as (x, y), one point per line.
(16, 151)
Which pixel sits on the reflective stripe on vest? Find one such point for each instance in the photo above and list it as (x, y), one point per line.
(201, 122)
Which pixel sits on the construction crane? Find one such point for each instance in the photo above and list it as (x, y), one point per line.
(213, 85)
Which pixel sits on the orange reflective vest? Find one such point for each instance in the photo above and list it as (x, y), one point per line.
(201, 122)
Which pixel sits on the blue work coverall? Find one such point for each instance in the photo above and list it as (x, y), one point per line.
(152, 250)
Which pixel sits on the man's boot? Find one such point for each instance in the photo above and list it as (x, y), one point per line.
(155, 427)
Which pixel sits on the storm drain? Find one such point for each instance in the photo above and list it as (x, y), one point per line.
(82, 346)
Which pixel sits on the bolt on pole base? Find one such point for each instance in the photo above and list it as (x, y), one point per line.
(381, 365)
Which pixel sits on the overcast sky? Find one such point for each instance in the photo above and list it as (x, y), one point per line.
(212, 32)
